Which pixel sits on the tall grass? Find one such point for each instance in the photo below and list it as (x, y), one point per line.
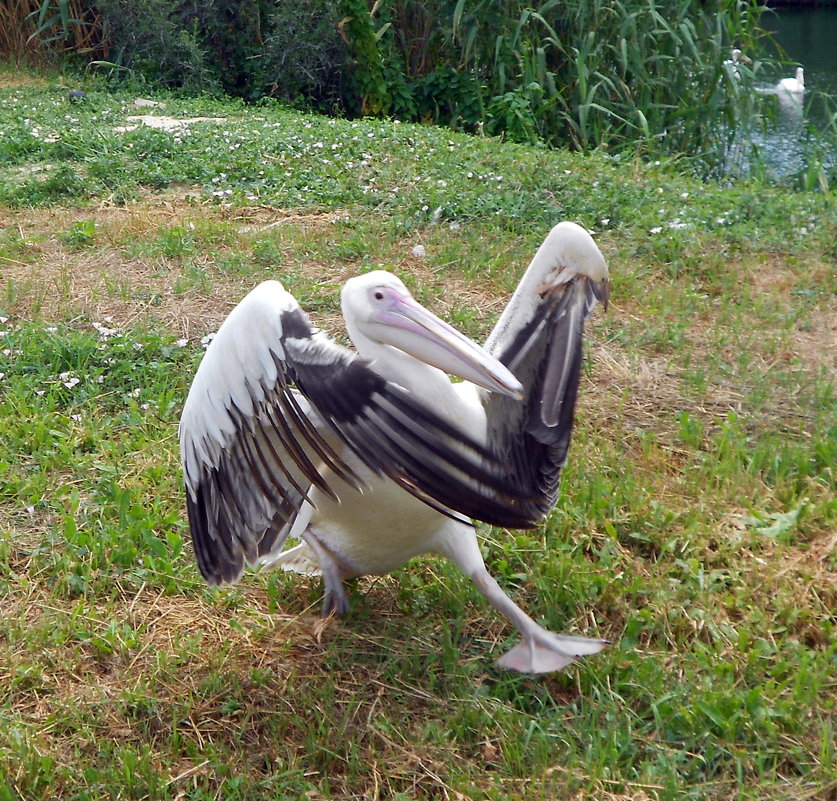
(36, 31)
(588, 73)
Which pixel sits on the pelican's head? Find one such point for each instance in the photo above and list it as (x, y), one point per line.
(378, 307)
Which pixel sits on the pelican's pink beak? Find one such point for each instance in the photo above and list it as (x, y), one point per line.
(405, 324)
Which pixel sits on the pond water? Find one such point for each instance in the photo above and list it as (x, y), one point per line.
(809, 36)
(784, 139)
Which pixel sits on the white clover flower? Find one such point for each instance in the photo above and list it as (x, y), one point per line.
(182, 343)
(656, 230)
(134, 393)
(105, 332)
(419, 251)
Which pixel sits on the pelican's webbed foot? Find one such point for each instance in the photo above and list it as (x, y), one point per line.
(549, 652)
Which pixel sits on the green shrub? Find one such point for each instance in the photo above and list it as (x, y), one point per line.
(151, 40)
(303, 58)
(579, 72)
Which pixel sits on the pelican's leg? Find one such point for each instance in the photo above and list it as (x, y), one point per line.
(541, 651)
(335, 601)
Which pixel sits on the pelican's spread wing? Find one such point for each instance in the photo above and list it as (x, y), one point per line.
(252, 446)
(540, 341)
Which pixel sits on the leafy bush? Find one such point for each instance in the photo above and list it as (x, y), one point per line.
(245, 48)
(148, 38)
(578, 72)
(303, 56)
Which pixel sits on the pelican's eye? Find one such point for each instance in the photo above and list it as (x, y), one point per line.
(379, 295)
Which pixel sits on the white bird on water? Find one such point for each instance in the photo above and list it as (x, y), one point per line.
(793, 86)
(374, 457)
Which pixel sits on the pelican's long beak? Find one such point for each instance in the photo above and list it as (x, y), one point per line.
(408, 326)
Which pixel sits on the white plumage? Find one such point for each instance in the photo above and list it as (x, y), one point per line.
(374, 457)
(793, 86)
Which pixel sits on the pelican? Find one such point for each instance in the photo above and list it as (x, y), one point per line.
(793, 86)
(374, 456)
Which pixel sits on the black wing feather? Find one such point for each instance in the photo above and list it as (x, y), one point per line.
(546, 356)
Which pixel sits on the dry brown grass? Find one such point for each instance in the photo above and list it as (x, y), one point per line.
(13, 80)
(103, 281)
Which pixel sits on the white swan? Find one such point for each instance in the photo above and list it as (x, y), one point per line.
(794, 86)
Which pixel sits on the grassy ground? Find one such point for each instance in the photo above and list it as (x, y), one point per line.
(696, 527)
